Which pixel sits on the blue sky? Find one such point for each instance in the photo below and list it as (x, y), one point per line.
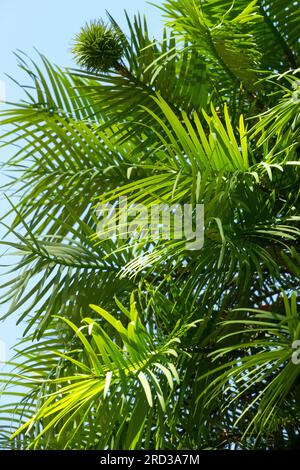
(49, 26)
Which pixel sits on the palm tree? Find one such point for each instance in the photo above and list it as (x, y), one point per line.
(140, 343)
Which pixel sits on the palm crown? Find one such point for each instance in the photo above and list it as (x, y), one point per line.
(143, 344)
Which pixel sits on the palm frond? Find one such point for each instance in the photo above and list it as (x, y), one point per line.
(123, 378)
(266, 364)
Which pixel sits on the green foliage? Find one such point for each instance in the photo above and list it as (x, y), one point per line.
(201, 358)
(263, 354)
(229, 42)
(105, 366)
